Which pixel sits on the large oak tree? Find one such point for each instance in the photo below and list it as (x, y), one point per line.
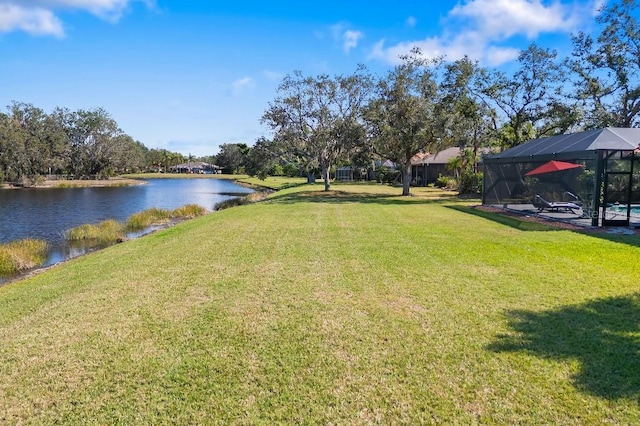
(317, 119)
(403, 115)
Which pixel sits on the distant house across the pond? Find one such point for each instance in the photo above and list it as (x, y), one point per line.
(198, 167)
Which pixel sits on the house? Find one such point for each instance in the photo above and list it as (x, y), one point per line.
(426, 168)
(199, 167)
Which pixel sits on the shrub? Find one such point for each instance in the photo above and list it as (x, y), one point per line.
(291, 170)
(276, 170)
(22, 255)
(446, 182)
(470, 183)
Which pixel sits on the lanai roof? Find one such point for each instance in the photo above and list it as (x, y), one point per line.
(610, 138)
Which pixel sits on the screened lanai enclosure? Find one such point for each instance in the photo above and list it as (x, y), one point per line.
(590, 178)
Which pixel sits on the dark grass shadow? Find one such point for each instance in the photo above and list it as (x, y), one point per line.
(521, 223)
(512, 221)
(603, 335)
(337, 196)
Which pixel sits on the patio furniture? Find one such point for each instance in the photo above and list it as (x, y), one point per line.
(542, 204)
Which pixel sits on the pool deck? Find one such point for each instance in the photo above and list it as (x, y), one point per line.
(577, 218)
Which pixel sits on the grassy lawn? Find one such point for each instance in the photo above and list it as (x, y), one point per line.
(356, 306)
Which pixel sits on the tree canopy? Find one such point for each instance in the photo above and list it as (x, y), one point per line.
(425, 106)
(320, 122)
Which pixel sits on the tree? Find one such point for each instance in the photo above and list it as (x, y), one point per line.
(91, 134)
(470, 121)
(532, 98)
(402, 117)
(128, 155)
(57, 142)
(83, 142)
(13, 162)
(606, 70)
(232, 156)
(317, 119)
(262, 159)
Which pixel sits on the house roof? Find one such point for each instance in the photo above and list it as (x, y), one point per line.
(440, 157)
(610, 138)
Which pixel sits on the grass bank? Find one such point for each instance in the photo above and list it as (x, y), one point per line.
(354, 306)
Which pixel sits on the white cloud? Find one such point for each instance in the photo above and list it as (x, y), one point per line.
(35, 21)
(38, 17)
(242, 84)
(347, 37)
(495, 55)
(351, 39)
(411, 22)
(482, 29)
(500, 19)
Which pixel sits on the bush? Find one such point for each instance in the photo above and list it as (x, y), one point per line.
(276, 170)
(470, 183)
(387, 175)
(446, 182)
(290, 170)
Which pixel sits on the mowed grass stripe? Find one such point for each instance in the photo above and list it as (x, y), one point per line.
(356, 306)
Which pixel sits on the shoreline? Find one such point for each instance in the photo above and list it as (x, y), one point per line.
(246, 199)
(40, 269)
(78, 183)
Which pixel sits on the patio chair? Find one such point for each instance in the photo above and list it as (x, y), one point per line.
(542, 204)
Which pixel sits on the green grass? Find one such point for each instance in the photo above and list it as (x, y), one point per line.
(240, 201)
(273, 182)
(106, 232)
(21, 255)
(188, 211)
(146, 218)
(355, 306)
(111, 231)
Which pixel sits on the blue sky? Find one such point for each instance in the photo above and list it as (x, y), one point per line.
(190, 75)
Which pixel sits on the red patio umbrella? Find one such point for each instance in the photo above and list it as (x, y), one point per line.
(552, 166)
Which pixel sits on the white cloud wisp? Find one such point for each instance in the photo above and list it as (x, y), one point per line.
(38, 17)
(481, 30)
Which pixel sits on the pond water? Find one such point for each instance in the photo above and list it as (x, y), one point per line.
(47, 213)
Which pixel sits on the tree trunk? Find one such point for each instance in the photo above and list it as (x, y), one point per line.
(311, 177)
(406, 178)
(325, 176)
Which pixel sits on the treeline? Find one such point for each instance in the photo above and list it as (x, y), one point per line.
(321, 122)
(77, 144)
(428, 105)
